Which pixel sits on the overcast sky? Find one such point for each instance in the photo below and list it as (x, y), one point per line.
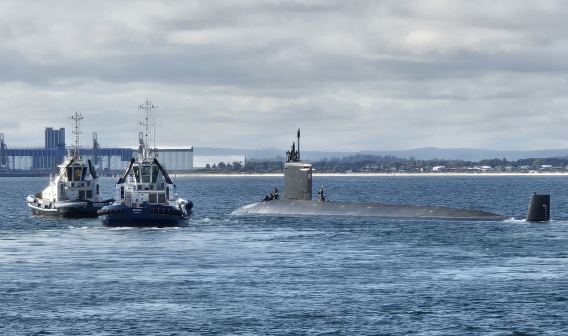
(354, 75)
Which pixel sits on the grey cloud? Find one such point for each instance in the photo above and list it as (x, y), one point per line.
(357, 74)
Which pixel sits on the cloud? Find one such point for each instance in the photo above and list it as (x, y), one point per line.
(354, 75)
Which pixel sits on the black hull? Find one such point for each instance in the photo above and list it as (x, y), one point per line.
(158, 216)
(313, 208)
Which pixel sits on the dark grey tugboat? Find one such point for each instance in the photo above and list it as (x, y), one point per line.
(75, 191)
(145, 193)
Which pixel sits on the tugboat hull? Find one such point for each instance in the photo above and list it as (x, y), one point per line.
(151, 216)
(84, 209)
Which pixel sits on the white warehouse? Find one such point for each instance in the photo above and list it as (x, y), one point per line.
(175, 159)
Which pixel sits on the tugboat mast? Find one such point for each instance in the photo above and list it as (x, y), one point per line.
(77, 118)
(148, 137)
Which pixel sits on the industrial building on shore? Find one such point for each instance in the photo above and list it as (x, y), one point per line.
(107, 160)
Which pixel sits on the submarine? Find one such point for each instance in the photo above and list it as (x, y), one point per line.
(297, 200)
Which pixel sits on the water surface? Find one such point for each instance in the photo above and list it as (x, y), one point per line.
(225, 275)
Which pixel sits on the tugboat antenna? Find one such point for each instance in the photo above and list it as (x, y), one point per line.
(77, 118)
(149, 128)
(154, 133)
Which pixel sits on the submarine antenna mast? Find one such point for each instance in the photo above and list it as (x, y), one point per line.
(77, 118)
(298, 144)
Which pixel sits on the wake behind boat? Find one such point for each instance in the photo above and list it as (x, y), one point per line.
(74, 192)
(146, 195)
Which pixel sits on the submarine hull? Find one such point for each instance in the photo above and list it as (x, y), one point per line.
(315, 208)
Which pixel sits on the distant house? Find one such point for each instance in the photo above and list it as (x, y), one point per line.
(439, 169)
(474, 169)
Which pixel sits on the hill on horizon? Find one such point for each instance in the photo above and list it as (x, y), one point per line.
(426, 153)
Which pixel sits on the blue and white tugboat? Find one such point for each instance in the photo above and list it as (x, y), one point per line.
(75, 191)
(145, 193)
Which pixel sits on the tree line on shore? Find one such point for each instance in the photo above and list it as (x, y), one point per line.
(388, 163)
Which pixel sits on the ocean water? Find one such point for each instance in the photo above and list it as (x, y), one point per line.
(225, 275)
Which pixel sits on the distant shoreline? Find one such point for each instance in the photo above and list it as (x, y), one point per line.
(372, 174)
(428, 174)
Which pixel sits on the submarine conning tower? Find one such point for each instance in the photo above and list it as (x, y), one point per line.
(297, 175)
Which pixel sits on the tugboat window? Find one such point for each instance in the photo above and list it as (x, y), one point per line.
(154, 174)
(77, 173)
(146, 174)
(137, 173)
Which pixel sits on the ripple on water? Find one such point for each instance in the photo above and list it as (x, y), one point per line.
(225, 275)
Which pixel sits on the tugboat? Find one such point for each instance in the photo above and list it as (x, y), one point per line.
(145, 193)
(75, 191)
